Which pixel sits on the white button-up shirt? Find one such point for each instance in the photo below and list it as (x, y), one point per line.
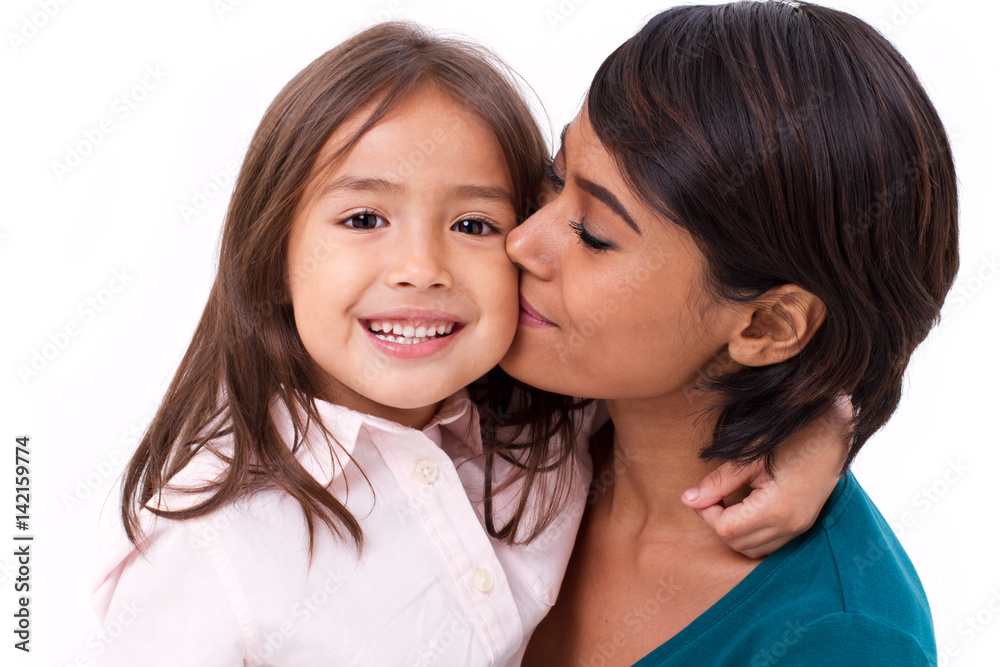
(431, 587)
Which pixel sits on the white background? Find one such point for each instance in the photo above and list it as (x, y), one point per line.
(63, 237)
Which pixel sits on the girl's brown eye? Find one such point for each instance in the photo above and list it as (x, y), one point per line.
(473, 227)
(365, 221)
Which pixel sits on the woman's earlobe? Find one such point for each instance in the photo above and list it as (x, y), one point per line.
(780, 324)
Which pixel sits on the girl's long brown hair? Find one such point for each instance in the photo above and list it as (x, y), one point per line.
(246, 352)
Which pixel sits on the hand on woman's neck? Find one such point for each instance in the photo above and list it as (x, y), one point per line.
(655, 459)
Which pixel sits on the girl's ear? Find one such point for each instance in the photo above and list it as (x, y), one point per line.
(777, 326)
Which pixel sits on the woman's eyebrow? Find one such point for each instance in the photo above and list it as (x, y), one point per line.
(599, 191)
(612, 202)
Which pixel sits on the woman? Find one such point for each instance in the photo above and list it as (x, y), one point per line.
(757, 211)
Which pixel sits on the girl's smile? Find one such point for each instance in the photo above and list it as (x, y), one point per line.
(409, 333)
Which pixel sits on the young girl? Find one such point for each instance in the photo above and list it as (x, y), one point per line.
(363, 284)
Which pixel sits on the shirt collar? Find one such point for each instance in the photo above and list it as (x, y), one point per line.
(457, 415)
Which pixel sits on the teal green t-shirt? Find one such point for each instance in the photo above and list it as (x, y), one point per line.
(843, 593)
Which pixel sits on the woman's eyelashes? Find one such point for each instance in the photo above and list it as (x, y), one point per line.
(580, 228)
(587, 238)
(554, 178)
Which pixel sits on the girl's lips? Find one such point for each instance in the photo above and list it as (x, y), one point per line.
(412, 350)
(531, 317)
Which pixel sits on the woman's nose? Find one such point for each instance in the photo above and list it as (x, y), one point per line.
(533, 245)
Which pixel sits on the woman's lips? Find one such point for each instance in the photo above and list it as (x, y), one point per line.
(531, 317)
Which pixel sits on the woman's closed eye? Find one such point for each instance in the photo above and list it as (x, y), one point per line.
(589, 239)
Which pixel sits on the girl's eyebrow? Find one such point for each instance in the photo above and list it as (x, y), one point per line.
(483, 192)
(363, 184)
(382, 186)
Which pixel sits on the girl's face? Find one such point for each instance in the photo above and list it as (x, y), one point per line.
(612, 301)
(402, 289)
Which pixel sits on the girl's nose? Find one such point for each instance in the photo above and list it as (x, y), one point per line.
(533, 245)
(420, 263)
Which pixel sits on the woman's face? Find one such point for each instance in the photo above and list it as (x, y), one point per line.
(612, 299)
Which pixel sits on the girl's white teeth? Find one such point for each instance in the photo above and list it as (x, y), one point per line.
(404, 340)
(422, 331)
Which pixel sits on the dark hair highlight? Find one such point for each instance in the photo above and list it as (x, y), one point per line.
(795, 145)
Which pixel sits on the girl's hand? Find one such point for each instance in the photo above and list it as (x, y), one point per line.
(775, 509)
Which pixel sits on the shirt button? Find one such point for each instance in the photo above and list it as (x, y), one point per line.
(426, 472)
(483, 580)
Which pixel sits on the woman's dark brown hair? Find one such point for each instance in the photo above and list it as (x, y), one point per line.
(246, 353)
(795, 145)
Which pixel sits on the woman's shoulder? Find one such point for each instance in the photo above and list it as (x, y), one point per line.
(844, 592)
(875, 576)
(848, 583)
(853, 638)
(849, 576)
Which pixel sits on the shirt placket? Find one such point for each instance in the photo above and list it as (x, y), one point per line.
(429, 479)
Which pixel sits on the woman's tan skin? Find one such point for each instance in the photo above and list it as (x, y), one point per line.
(633, 324)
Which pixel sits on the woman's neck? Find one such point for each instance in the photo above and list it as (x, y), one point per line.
(655, 459)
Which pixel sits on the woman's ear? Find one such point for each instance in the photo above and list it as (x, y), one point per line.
(777, 327)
